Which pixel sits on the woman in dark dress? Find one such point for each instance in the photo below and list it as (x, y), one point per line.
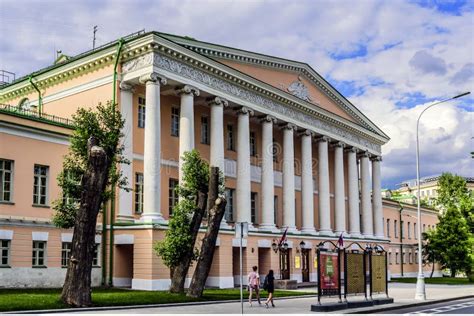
(269, 285)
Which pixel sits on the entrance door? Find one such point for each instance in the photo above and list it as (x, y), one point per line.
(285, 264)
(305, 264)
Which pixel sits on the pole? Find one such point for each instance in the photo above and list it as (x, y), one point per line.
(241, 272)
(93, 40)
(420, 281)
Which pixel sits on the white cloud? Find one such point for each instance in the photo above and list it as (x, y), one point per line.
(393, 33)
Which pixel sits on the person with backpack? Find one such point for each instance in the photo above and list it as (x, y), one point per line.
(269, 286)
(254, 284)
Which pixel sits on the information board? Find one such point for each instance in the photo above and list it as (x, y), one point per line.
(329, 270)
(378, 274)
(355, 273)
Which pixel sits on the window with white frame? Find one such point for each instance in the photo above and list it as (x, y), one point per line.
(4, 253)
(205, 138)
(409, 230)
(397, 261)
(141, 112)
(175, 121)
(138, 193)
(40, 185)
(414, 231)
(253, 144)
(275, 150)
(253, 207)
(230, 137)
(172, 195)
(275, 208)
(389, 258)
(410, 260)
(416, 256)
(39, 254)
(229, 207)
(395, 228)
(95, 256)
(388, 227)
(6, 180)
(65, 254)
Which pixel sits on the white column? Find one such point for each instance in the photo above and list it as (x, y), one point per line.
(339, 192)
(217, 158)
(186, 122)
(323, 190)
(268, 192)
(353, 181)
(243, 166)
(152, 149)
(289, 214)
(125, 211)
(377, 197)
(367, 223)
(307, 188)
(217, 132)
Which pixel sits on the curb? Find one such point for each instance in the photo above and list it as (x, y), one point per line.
(408, 305)
(111, 308)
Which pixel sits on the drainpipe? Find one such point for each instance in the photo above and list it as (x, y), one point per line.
(401, 237)
(112, 200)
(40, 98)
(104, 245)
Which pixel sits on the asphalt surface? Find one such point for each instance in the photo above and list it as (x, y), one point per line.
(465, 306)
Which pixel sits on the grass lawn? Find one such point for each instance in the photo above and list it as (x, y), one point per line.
(36, 299)
(445, 280)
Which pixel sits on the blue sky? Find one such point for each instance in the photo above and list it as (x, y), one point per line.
(389, 58)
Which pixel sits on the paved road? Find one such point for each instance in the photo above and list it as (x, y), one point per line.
(453, 307)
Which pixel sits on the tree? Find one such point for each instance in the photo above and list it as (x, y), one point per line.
(88, 169)
(451, 242)
(430, 253)
(453, 191)
(177, 250)
(216, 203)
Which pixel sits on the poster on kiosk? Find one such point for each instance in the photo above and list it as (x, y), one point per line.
(329, 273)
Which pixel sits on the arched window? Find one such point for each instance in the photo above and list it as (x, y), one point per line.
(24, 104)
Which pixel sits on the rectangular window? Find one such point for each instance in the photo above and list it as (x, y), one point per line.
(409, 230)
(415, 233)
(402, 229)
(275, 150)
(40, 185)
(410, 258)
(396, 258)
(229, 207)
(230, 137)
(4, 253)
(424, 227)
(65, 254)
(6, 180)
(416, 256)
(253, 144)
(205, 130)
(141, 112)
(39, 254)
(95, 258)
(388, 227)
(389, 258)
(138, 193)
(172, 195)
(275, 208)
(253, 207)
(395, 229)
(175, 121)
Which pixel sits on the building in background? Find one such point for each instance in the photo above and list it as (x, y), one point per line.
(296, 155)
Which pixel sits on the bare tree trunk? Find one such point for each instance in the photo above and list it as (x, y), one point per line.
(77, 286)
(179, 273)
(432, 269)
(216, 213)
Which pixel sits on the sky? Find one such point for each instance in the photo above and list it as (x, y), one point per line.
(391, 59)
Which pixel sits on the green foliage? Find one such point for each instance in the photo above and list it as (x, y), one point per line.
(450, 244)
(453, 191)
(178, 241)
(105, 124)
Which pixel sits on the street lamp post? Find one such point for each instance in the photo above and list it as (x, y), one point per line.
(420, 293)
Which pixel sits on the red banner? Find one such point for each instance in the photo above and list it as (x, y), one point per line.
(329, 273)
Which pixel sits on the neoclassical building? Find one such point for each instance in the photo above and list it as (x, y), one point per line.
(296, 155)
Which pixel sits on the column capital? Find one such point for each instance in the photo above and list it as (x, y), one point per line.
(217, 101)
(364, 154)
(153, 77)
(288, 126)
(306, 132)
(376, 158)
(268, 119)
(351, 149)
(125, 86)
(245, 110)
(322, 139)
(187, 89)
(338, 144)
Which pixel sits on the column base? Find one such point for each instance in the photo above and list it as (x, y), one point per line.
(292, 230)
(153, 218)
(224, 225)
(369, 236)
(125, 218)
(355, 235)
(328, 233)
(309, 231)
(344, 234)
(269, 228)
(380, 237)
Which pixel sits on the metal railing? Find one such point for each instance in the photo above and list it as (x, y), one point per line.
(36, 116)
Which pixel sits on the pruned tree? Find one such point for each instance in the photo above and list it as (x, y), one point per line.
(217, 203)
(88, 169)
(177, 249)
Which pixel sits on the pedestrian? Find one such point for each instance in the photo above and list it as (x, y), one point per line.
(269, 286)
(254, 284)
